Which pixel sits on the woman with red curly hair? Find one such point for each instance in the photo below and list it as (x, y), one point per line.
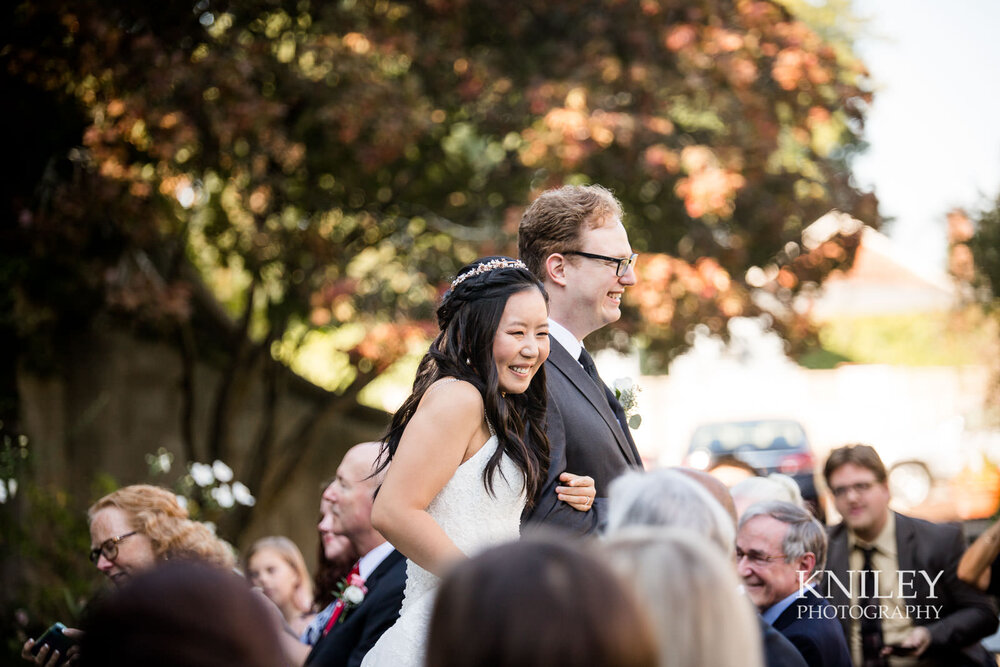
(137, 526)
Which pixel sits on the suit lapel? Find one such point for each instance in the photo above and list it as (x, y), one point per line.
(383, 567)
(370, 583)
(571, 368)
(792, 614)
(837, 564)
(905, 543)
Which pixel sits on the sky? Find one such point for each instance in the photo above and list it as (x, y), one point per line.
(934, 127)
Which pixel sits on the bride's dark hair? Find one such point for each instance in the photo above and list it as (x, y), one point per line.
(469, 316)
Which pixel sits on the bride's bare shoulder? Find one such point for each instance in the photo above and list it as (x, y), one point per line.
(451, 407)
(453, 395)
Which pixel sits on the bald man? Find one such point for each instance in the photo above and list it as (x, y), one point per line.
(355, 629)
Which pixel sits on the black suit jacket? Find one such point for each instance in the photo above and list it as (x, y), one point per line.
(966, 616)
(778, 651)
(811, 625)
(348, 641)
(585, 438)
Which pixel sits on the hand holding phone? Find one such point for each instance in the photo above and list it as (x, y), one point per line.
(899, 649)
(43, 649)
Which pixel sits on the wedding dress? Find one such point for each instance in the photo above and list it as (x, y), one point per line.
(474, 520)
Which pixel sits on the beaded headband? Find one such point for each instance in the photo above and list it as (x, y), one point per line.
(489, 266)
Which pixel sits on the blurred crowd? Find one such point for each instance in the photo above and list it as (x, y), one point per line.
(505, 520)
(686, 572)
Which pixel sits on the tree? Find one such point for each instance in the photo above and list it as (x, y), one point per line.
(983, 240)
(985, 246)
(240, 176)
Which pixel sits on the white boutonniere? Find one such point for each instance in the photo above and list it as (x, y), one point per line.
(627, 393)
(351, 591)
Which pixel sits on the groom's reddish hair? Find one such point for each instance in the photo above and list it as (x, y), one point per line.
(555, 219)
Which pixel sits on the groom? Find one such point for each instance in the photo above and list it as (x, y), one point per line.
(573, 240)
(357, 627)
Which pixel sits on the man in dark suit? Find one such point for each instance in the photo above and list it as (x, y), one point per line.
(573, 240)
(778, 547)
(924, 609)
(355, 628)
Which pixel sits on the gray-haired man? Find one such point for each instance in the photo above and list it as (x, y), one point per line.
(778, 548)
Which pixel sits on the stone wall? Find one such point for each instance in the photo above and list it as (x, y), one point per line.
(118, 399)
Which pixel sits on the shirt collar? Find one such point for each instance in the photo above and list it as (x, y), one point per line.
(372, 559)
(885, 543)
(772, 613)
(565, 338)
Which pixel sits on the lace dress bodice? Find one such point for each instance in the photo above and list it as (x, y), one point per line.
(474, 520)
(470, 516)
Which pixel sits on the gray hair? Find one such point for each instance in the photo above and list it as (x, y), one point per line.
(775, 486)
(805, 534)
(668, 498)
(690, 590)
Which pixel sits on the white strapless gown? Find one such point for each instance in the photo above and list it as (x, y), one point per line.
(474, 520)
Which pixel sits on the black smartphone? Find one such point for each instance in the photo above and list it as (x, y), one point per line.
(54, 638)
(899, 649)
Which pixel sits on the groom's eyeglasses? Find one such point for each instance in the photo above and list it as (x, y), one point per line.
(622, 262)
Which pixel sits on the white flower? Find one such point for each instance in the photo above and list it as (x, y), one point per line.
(353, 595)
(242, 494)
(165, 460)
(12, 486)
(627, 393)
(623, 384)
(3, 492)
(201, 473)
(223, 495)
(182, 501)
(223, 473)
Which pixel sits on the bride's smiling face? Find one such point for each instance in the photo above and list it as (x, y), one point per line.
(521, 344)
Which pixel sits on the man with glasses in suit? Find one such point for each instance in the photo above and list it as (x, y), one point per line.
(779, 547)
(573, 240)
(923, 614)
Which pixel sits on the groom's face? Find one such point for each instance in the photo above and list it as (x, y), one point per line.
(593, 289)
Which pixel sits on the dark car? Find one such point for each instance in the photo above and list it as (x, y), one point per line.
(765, 445)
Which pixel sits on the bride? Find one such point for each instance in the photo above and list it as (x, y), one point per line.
(468, 447)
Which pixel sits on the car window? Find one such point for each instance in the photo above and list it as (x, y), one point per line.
(727, 437)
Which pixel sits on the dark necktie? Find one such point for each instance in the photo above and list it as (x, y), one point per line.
(871, 623)
(588, 365)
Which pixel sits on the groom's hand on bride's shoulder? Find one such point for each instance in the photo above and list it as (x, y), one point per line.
(577, 491)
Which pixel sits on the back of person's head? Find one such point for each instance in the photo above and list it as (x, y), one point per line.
(715, 488)
(182, 613)
(665, 497)
(691, 593)
(860, 455)
(805, 534)
(537, 603)
(555, 220)
(155, 512)
(761, 489)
